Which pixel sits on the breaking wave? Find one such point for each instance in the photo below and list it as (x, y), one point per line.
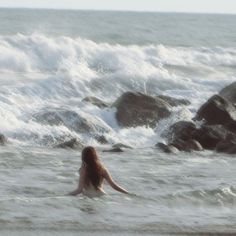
(42, 74)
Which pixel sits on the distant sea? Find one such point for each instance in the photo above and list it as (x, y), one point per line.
(50, 60)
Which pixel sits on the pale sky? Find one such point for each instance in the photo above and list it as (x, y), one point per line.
(202, 6)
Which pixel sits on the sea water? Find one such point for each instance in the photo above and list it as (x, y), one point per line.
(52, 59)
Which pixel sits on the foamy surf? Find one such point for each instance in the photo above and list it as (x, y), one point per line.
(47, 73)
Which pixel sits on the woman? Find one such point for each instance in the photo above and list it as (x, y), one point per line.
(92, 174)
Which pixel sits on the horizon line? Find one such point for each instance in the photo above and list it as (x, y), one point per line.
(116, 10)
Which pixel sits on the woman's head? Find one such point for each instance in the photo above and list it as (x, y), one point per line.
(89, 155)
(93, 165)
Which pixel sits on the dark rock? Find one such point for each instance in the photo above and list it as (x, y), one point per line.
(167, 148)
(3, 139)
(72, 144)
(218, 132)
(101, 139)
(96, 102)
(70, 119)
(174, 102)
(179, 136)
(194, 145)
(137, 109)
(229, 93)
(187, 145)
(231, 127)
(232, 150)
(210, 136)
(121, 145)
(114, 150)
(181, 130)
(217, 110)
(225, 146)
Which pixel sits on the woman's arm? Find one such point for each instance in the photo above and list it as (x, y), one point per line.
(81, 183)
(112, 183)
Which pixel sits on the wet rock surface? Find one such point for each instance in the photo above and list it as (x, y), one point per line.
(216, 130)
(137, 109)
(217, 110)
(181, 130)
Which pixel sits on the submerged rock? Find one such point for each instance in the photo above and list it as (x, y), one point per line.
(187, 145)
(96, 102)
(167, 148)
(174, 101)
(71, 120)
(72, 144)
(3, 139)
(217, 110)
(121, 145)
(101, 139)
(137, 109)
(229, 93)
(114, 150)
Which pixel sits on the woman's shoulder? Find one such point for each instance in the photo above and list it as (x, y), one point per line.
(104, 171)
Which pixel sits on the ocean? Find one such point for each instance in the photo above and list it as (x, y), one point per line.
(51, 60)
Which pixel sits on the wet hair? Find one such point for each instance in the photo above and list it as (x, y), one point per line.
(94, 168)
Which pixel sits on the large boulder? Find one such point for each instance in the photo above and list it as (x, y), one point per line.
(180, 137)
(217, 110)
(96, 102)
(229, 93)
(180, 130)
(3, 139)
(185, 136)
(137, 109)
(71, 120)
(174, 102)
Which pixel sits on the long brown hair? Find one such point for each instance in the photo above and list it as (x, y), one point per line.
(94, 168)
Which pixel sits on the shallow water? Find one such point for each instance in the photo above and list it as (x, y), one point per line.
(170, 193)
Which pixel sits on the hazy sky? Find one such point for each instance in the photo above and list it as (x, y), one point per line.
(211, 6)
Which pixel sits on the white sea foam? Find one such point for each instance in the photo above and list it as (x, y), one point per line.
(52, 72)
